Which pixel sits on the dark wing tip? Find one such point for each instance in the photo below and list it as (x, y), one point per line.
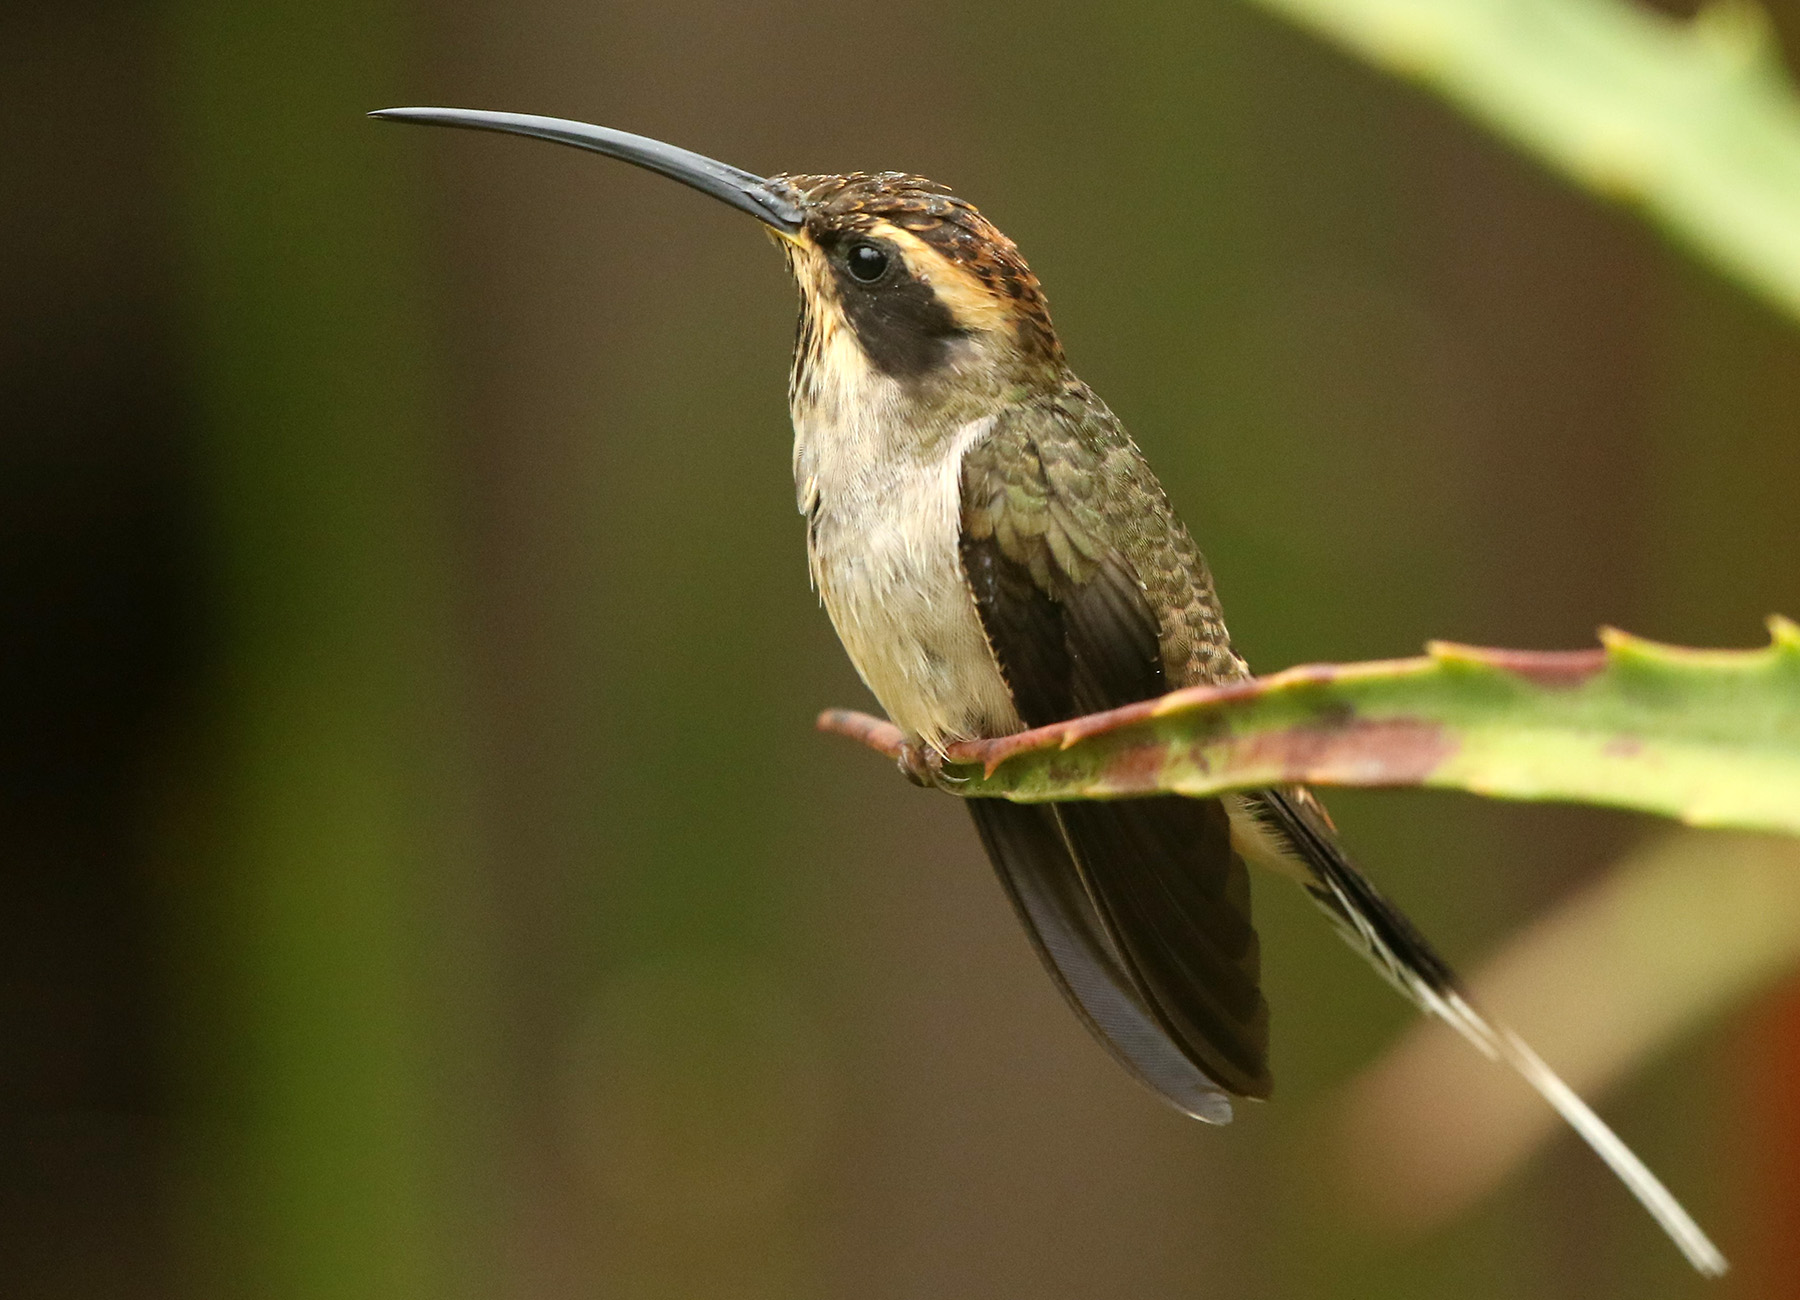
(1034, 866)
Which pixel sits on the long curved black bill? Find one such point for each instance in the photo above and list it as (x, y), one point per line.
(741, 189)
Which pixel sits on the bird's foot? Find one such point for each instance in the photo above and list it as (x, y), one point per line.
(924, 766)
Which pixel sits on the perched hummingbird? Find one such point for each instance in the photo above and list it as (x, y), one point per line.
(995, 554)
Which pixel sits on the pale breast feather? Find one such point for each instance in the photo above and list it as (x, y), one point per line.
(884, 552)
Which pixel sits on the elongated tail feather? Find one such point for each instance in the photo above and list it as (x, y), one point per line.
(1290, 822)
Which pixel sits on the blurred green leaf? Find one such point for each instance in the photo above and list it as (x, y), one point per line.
(1711, 737)
(1697, 123)
(330, 910)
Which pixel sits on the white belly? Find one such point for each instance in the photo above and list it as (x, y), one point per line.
(883, 546)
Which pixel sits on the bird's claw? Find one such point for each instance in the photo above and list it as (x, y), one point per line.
(924, 766)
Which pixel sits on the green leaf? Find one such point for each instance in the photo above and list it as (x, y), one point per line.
(1696, 123)
(1711, 737)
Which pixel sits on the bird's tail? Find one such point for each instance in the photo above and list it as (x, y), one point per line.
(1377, 929)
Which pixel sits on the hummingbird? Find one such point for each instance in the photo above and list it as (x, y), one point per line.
(995, 553)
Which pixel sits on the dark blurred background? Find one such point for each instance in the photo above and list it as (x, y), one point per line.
(418, 873)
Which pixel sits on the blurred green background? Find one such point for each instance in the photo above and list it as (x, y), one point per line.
(419, 874)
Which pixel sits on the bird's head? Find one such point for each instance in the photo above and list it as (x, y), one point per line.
(901, 281)
(904, 288)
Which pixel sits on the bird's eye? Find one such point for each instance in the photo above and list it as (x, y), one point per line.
(867, 263)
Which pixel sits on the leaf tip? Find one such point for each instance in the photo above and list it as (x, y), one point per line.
(877, 733)
(1173, 702)
(1621, 644)
(1784, 634)
(1452, 652)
